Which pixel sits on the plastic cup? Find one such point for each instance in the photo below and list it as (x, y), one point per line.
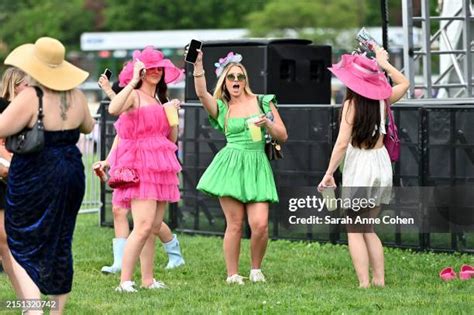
(330, 197)
(171, 115)
(255, 131)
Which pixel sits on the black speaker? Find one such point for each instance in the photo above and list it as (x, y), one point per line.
(292, 69)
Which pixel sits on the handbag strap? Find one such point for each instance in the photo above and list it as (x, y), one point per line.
(260, 105)
(39, 93)
(391, 120)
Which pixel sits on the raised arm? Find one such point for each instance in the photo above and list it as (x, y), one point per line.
(401, 82)
(209, 103)
(104, 84)
(125, 99)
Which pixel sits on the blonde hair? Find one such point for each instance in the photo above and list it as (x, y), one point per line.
(220, 92)
(11, 78)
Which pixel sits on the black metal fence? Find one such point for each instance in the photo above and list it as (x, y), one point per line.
(437, 138)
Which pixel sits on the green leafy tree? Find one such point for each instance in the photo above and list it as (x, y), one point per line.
(324, 21)
(177, 14)
(319, 21)
(25, 21)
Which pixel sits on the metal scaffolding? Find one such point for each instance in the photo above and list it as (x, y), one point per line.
(452, 42)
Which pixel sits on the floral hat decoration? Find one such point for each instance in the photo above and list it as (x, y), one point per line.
(223, 62)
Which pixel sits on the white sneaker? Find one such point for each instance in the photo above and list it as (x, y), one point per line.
(156, 285)
(126, 287)
(256, 275)
(235, 279)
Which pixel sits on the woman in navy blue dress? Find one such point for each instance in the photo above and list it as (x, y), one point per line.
(45, 189)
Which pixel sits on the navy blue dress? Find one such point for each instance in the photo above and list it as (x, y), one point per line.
(44, 194)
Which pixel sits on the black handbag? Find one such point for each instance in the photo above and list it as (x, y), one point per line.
(272, 147)
(273, 150)
(29, 140)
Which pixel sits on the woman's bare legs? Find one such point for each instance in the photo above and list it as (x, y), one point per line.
(366, 250)
(164, 233)
(28, 288)
(7, 259)
(234, 212)
(375, 250)
(257, 214)
(143, 213)
(121, 226)
(122, 230)
(360, 257)
(147, 257)
(61, 303)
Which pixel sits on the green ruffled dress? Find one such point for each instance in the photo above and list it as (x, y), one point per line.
(240, 170)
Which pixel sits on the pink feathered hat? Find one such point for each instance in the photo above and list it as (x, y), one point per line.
(152, 58)
(363, 76)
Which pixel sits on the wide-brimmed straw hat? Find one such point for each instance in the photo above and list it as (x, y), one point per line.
(363, 76)
(44, 62)
(151, 58)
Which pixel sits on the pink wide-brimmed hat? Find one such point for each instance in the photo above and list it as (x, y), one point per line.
(363, 76)
(151, 58)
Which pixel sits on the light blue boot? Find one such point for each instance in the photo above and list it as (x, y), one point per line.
(118, 248)
(175, 259)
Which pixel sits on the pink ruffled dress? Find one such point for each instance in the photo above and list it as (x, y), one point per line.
(143, 144)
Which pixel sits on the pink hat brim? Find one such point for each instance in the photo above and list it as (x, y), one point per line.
(381, 91)
(172, 73)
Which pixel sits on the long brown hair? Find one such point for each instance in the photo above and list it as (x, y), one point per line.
(365, 132)
(161, 89)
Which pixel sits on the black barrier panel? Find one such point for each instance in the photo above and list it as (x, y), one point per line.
(291, 68)
(437, 148)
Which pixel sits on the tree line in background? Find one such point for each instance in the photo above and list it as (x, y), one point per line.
(25, 20)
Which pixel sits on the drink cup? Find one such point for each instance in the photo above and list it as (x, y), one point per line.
(100, 172)
(171, 115)
(330, 198)
(255, 131)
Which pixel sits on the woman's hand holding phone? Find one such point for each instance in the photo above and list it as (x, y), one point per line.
(199, 57)
(104, 83)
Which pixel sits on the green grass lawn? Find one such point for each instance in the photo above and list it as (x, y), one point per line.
(302, 278)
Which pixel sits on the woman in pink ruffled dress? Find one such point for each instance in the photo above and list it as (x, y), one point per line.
(146, 142)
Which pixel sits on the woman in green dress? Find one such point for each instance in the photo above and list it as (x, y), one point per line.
(240, 174)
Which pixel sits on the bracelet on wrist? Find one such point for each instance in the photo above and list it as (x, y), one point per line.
(198, 75)
(329, 174)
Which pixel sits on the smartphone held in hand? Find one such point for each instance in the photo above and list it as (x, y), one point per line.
(107, 73)
(193, 48)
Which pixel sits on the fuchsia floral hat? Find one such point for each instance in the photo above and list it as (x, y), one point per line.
(151, 58)
(363, 76)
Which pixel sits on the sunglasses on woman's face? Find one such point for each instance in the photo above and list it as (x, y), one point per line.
(236, 76)
(156, 69)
